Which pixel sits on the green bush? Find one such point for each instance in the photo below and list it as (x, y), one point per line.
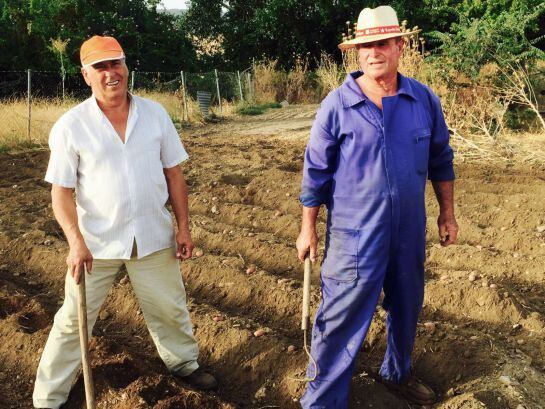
(256, 109)
(498, 37)
(250, 110)
(273, 105)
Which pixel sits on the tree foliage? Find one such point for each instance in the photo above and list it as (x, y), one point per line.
(468, 32)
(499, 32)
(281, 29)
(151, 40)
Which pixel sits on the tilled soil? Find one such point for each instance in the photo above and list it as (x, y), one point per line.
(479, 344)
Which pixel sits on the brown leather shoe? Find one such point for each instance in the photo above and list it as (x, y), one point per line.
(200, 379)
(413, 389)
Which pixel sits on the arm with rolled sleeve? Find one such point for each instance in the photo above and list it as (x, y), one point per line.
(62, 172)
(320, 161)
(172, 154)
(441, 173)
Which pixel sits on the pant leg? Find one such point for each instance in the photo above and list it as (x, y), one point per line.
(61, 357)
(344, 316)
(404, 295)
(157, 282)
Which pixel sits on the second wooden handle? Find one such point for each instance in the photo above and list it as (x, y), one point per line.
(305, 322)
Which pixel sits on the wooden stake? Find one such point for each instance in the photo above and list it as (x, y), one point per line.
(218, 87)
(28, 99)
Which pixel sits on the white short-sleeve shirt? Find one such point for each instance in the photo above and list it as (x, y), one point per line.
(121, 189)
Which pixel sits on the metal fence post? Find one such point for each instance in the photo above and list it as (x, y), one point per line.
(250, 91)
(63, 88)
(185, 113)
(240, 86)
(218, 87)
(29, 79)
(132, 81)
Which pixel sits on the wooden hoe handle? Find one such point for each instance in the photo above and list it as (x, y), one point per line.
(84, 342)
(305, 323)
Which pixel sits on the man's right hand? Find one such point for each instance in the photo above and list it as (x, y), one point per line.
(79, 255)
(307, 242)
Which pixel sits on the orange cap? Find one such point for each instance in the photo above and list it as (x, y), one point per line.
(98, 48)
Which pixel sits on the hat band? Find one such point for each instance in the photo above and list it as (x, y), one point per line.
(99, 51)
(377, 30)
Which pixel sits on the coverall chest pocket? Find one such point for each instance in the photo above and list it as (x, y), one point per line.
(341, 260)
(422, 150)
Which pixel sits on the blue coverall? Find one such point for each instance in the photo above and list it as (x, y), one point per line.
(369, 168)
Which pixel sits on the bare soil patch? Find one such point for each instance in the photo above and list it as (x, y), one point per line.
(479, 344)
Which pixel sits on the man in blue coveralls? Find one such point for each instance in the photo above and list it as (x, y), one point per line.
(374, 141)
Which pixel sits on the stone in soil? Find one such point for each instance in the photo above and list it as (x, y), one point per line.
(506, 380)
(430, 327)
(259, 333)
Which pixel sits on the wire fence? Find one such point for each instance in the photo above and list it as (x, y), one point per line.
(35, 87)
(231, 86)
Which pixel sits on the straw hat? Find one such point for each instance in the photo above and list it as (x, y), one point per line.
(374, 25)
(98, 49)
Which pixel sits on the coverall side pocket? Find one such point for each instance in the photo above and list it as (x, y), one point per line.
(422, 151)
(341, 260)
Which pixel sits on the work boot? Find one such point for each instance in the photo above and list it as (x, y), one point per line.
(412, 389)
(200, 379)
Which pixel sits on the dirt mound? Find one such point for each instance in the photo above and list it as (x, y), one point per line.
(480, 341)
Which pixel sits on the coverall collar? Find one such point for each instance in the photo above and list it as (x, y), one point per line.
(351, 93)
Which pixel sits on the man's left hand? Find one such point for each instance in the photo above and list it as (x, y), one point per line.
(184, 243)
(448, 229)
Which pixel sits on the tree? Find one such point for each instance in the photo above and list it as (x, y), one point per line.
(152, 40)
(500, 36)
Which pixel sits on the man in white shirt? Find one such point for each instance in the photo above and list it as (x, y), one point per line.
(121, 154)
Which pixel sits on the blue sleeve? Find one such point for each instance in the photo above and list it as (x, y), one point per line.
(440, 166)
(320, 162)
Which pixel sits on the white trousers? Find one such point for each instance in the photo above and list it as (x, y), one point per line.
(157, 282)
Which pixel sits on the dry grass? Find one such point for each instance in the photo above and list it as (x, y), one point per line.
(298, 88)
(14, 116)
(513, 148)
(273, 85)
(329, 75)
(266, 80)
(172, 102)
(412, 62)
(45, 112)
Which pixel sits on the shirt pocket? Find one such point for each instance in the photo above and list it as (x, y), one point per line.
(422, 149)
(155, 167)
(341, 259)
